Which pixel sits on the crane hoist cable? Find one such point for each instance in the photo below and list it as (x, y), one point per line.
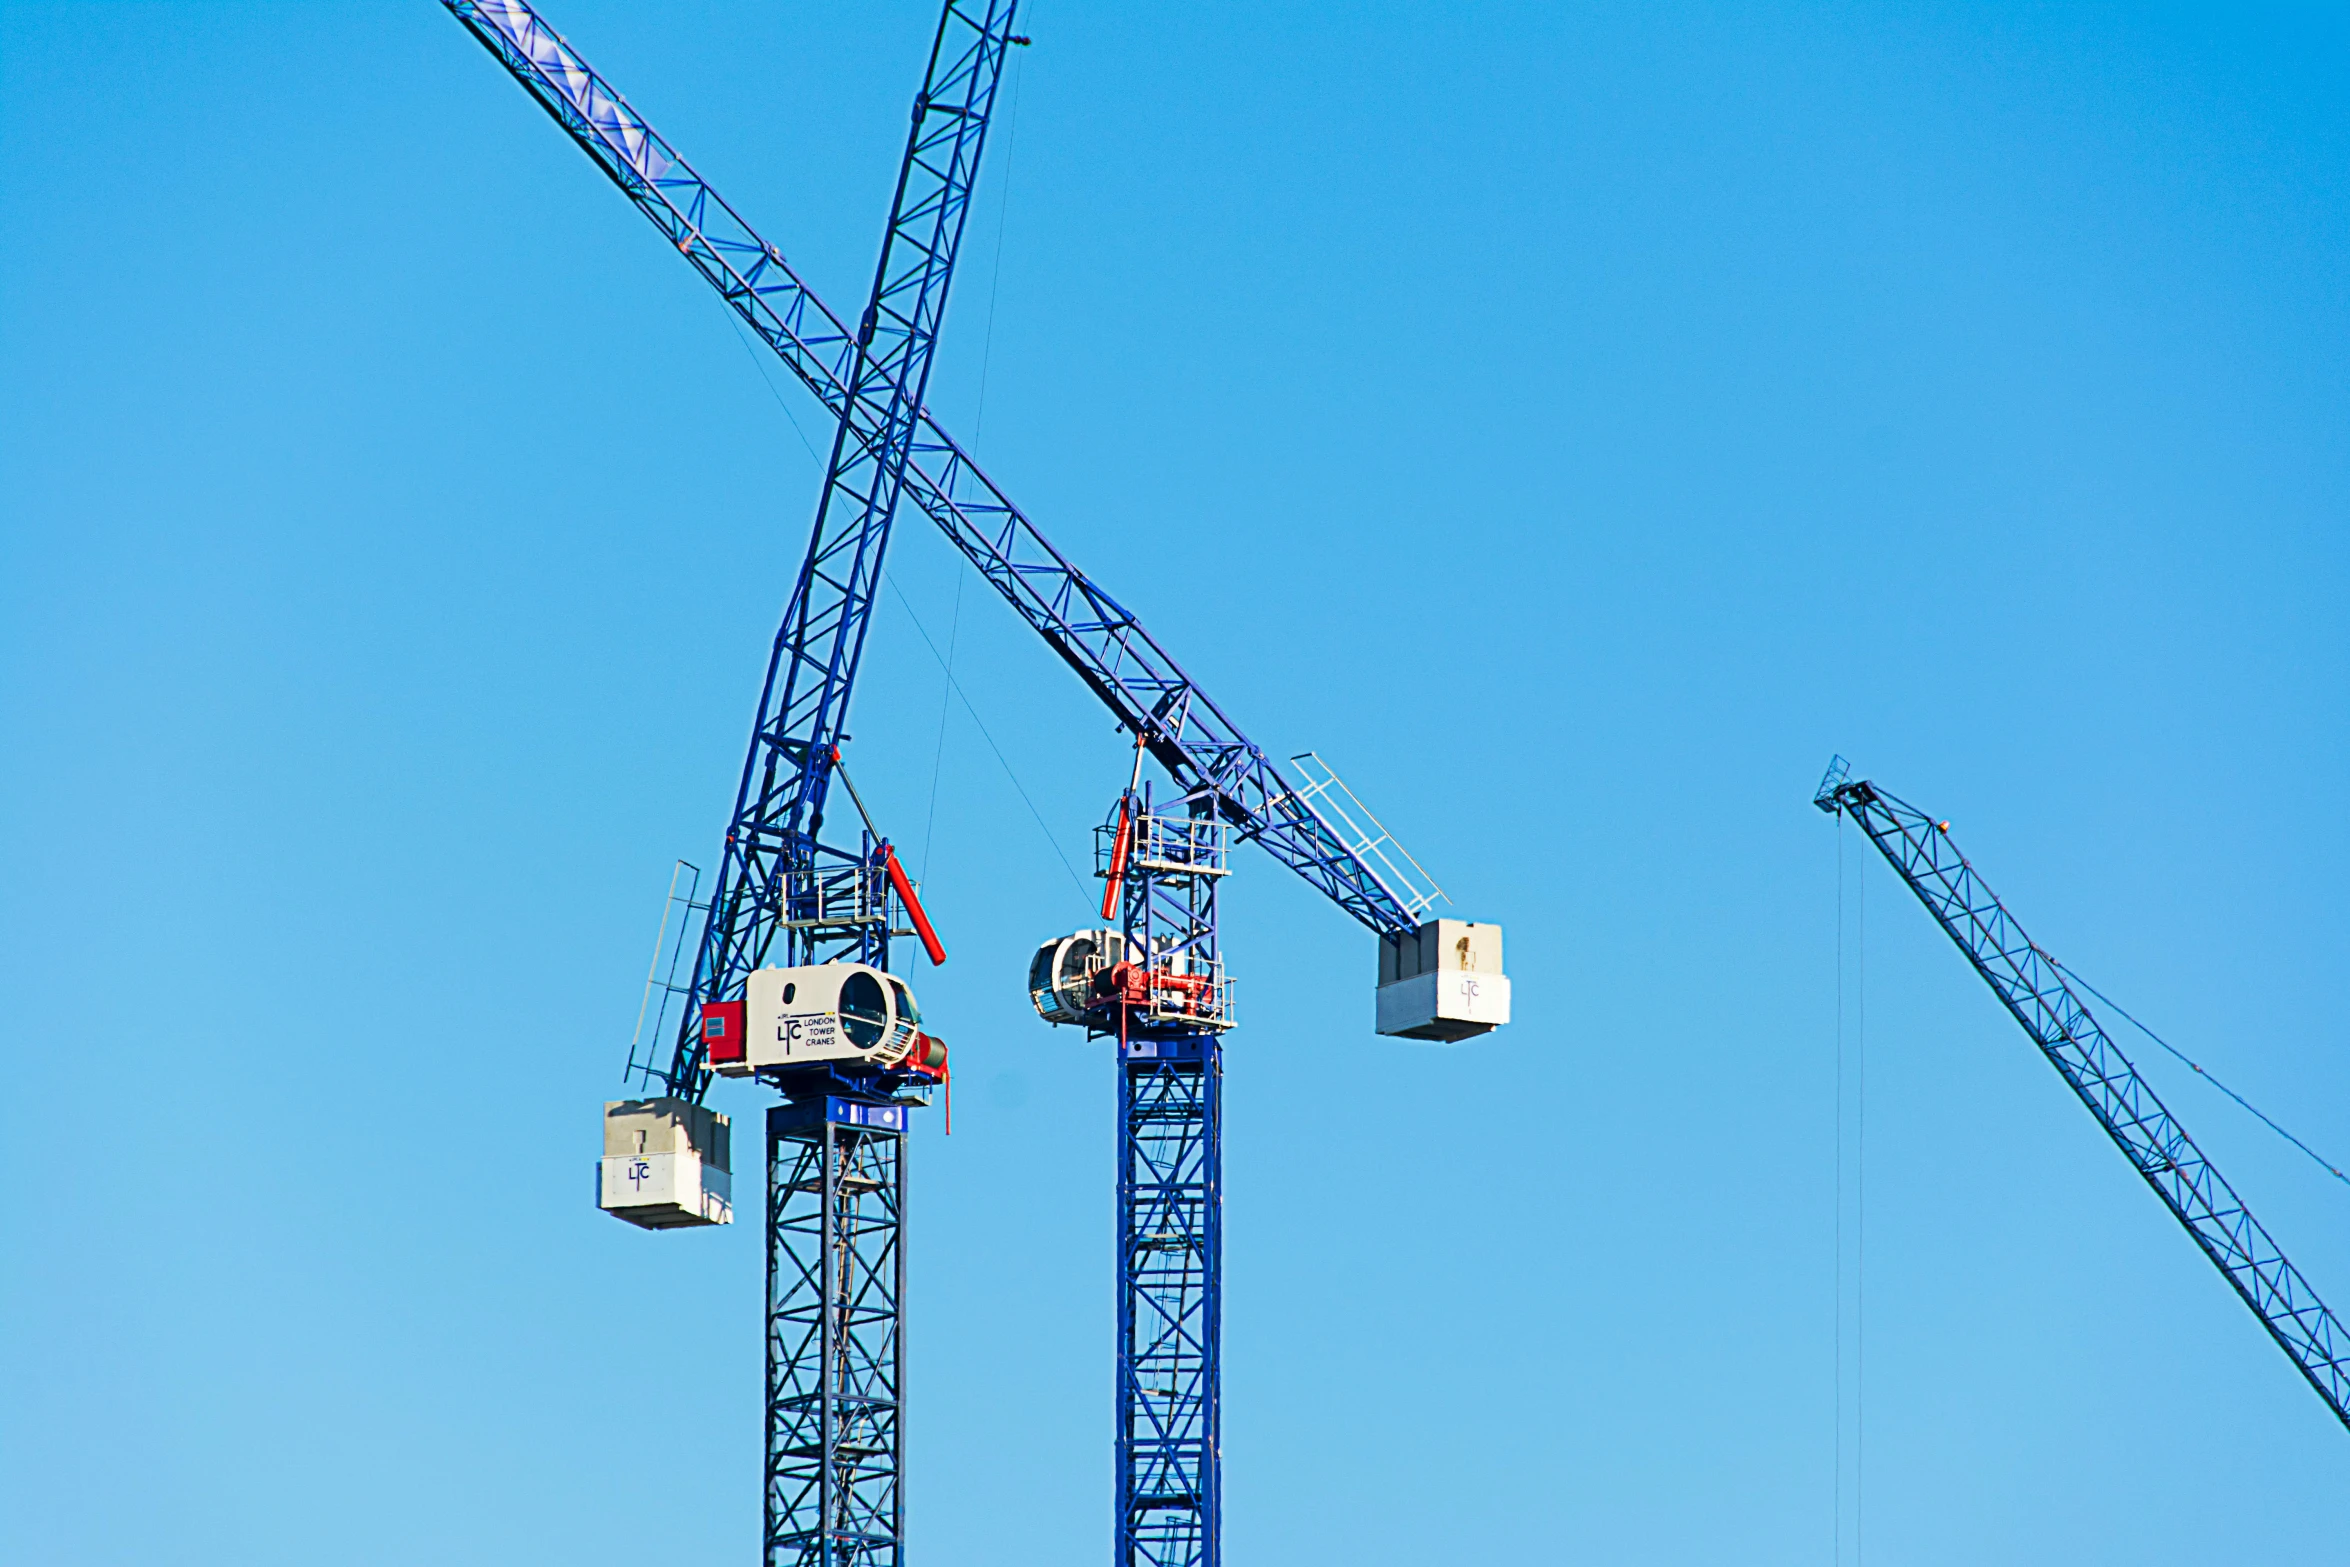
(2197, 1067)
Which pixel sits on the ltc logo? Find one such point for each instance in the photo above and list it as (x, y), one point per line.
(794, 1033)
(639, 1172)
(1469, 991)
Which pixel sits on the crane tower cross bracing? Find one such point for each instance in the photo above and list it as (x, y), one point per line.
(1161, 988)
(2034, 990)
(836, 1166)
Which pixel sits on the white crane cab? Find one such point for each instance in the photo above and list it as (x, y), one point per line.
(823, 1012)
(1061, 976)
(1442, 981)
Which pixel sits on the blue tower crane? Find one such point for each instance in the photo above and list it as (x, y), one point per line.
(1156, 983)
(2033, 988)
(835, 1159)
(1226, 789)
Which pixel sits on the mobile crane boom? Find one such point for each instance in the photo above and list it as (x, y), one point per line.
(2029, 984)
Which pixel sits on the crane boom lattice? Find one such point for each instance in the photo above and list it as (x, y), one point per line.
(2029, 984)
(1102, 641)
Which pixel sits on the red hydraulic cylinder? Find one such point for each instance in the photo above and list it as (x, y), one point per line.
(905, 891)
(1117, 861)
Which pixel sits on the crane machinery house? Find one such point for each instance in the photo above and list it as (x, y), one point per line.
(850, 1012)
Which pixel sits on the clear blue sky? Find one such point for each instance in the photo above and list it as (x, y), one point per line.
(1574, 422)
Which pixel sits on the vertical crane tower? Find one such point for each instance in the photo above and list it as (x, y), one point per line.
(2034, 989)
(830, 907)
(1156, 982)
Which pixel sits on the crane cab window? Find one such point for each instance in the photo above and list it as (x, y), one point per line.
(864, 1010)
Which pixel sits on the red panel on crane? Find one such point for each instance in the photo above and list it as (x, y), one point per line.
(722, 1031)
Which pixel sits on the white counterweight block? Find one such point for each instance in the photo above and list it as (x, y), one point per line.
(665, 1164)
(1443, 981)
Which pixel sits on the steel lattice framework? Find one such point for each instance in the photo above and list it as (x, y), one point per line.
(835, 1257)
(1170, 1303)
(1170, 1093)
(1174, 1003)
(1201, 749)
(772, 871)
(2034, 991)
(836, 1275)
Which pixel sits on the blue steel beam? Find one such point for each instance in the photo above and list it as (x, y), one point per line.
(836, 1362)
(833, 1482)
(2029, 984)
(1169, 1429)
(772, 844)
(1200, 747)
(833, 1491)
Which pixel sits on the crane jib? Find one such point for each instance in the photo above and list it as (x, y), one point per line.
(2029, 984)
(1111, 651)
(812, 671)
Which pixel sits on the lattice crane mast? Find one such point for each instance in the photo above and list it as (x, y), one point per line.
(1226, 788)
(2033, 988)
(1155, 982)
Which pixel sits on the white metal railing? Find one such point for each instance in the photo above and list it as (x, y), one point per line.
(839, 898)
(1166, 844)
(1181, 845)
(1334, 805)
(666, 985)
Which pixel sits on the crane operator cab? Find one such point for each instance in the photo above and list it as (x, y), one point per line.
(1063, 976)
